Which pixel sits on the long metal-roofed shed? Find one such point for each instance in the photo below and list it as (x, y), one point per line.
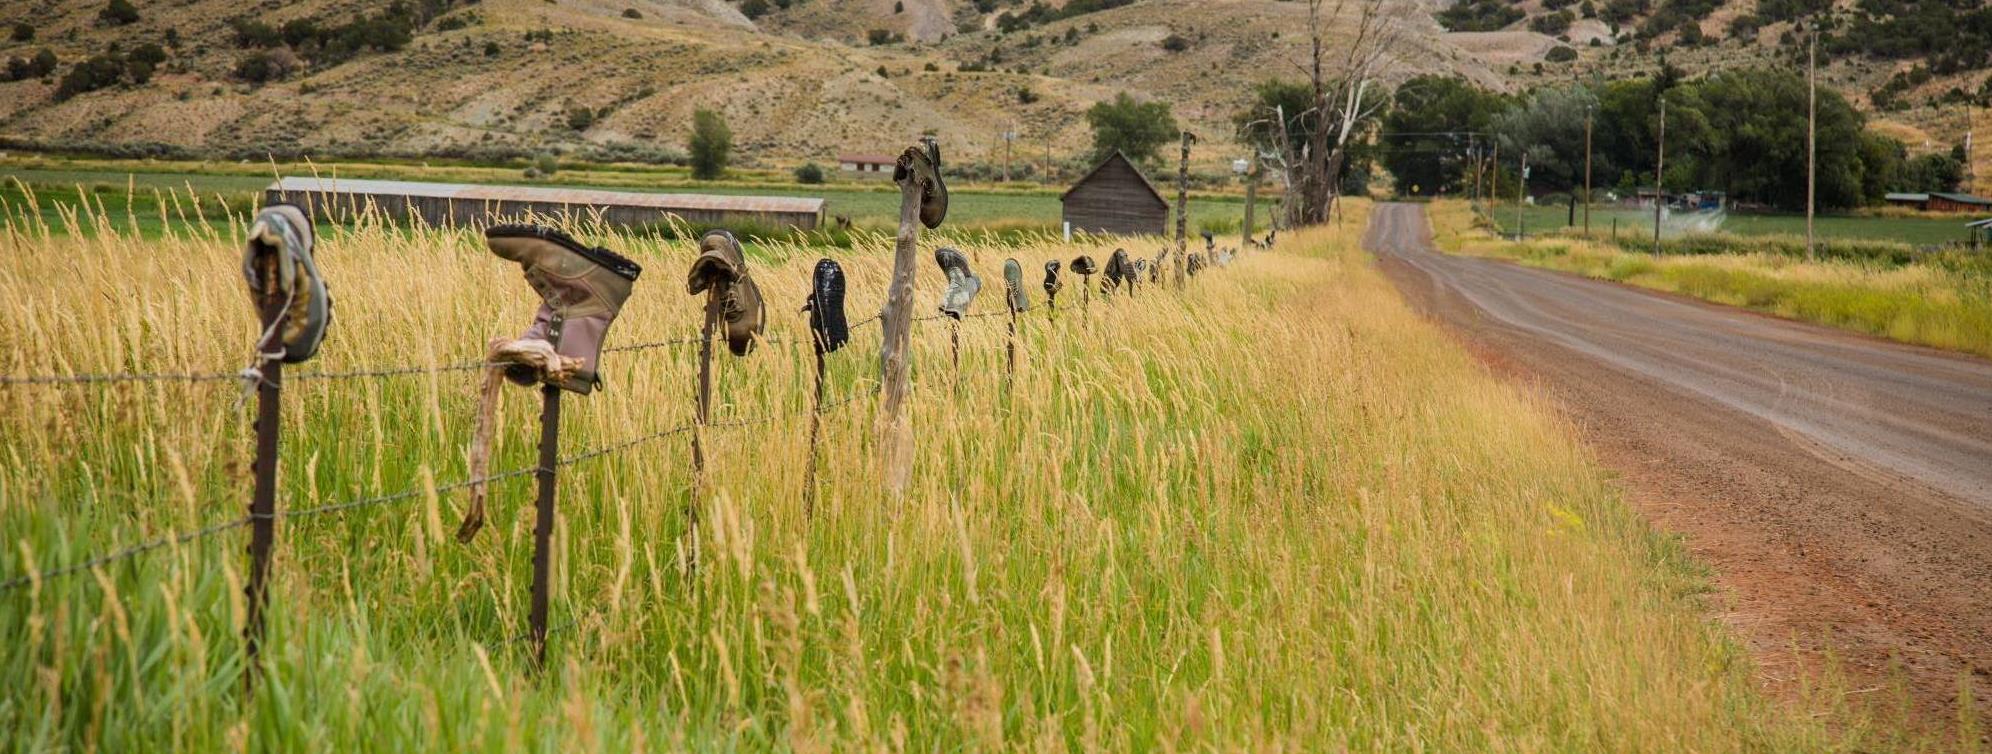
(1116, 198)
(339, 199)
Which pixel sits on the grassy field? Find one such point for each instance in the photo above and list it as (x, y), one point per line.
(1919, 231)
(130, 183)
(1156, 536)
(1942, 300)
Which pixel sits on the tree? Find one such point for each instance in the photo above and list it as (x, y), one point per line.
(1548, 126)
(1138, 129)
(24, 32)
(1426, 133)
(1345, 98)
(711, 145)
(809, 173)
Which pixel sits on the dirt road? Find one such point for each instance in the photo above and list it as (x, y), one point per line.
(1840, 485)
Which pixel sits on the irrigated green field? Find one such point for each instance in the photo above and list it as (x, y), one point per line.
(1919, 231)
(129, 187)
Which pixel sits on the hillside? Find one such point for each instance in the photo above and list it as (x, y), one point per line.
(620, 78)
(1916, 68)
(797, 79)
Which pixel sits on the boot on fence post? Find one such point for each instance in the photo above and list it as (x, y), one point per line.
(961, 289)
(1083, 266)
(831, 331)
(923, 201)
(732, 298)
(294, 308)
(1013, 285)
(1052, 285)
(582, 289)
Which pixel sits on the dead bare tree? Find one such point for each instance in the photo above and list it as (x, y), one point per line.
(1341, 97)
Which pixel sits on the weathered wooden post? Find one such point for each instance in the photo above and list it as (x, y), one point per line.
(1251, 199)
(263, 502)
(922, 201)
(549, 459)
(1183, 207)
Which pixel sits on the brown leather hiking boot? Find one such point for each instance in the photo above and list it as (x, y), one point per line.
(280, 241)
(922, 165)
(581, 289)
(722, 268)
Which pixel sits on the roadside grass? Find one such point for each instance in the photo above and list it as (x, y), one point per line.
(1920, 229)
(1942, 300)
(1274, 511)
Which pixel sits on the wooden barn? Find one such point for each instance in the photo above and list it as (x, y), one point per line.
(1116, 198)
(338, 200)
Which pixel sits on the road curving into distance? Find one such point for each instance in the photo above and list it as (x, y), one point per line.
(1840, 485)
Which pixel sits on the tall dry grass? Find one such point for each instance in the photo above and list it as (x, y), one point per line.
(1275, 511)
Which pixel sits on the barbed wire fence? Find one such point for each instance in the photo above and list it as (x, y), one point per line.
(263, 514)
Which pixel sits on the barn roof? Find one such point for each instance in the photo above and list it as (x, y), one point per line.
(1117, 155)
(1962, 198)
(550, 195)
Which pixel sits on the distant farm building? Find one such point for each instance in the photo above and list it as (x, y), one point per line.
(338, 200)
(1908, 200)
(1941, 202)
(866, 165)
(1116, 198)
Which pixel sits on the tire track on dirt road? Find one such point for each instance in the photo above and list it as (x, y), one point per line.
(1840, 485)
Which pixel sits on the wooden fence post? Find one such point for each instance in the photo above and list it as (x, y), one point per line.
(893, 424)
(549, 459)
(263, 503)
(1183, 208)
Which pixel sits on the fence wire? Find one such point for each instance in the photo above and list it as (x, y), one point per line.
(106, 378)
(147, 546)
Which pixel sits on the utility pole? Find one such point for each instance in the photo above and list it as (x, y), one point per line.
(1521, 200)
(1183, 206)
(1660, 175)
(1008, 137)
(1588, 117)
(1251, 198)
(1473, 160)
(1811, 133)
(1494, 181)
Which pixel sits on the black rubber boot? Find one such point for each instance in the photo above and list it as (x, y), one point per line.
(826, 307)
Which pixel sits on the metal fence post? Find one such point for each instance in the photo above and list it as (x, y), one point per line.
(815, 436)
(263, 505)
(549, 458)
(704, 415)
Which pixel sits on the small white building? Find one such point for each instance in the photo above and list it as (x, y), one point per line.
(866, 165)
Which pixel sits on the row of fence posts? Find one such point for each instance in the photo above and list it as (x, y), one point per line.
(895, 321)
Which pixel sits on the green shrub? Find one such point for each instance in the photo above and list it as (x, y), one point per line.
(810, 173)
(118, 13)
(24, 32)
(711, 145)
